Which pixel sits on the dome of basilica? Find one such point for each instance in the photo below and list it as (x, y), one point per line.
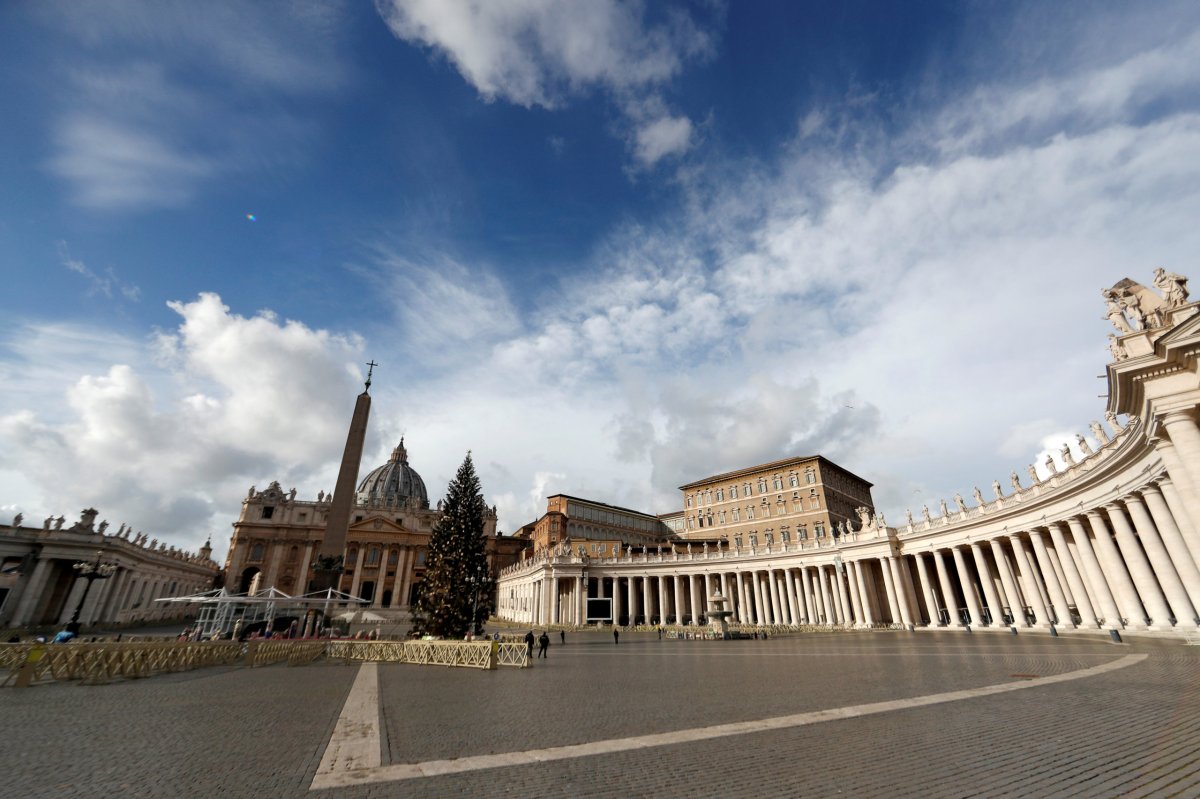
(393, 483)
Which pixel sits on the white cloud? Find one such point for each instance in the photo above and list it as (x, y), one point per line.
(543, 52)
(248, 400)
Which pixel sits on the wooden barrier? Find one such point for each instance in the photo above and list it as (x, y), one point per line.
(22, 665)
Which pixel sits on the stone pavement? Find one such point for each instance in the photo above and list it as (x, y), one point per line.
(1130, 731)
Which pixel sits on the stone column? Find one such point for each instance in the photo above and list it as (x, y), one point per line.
(762, 596)
(868, 616)
(994, 606)
(810, 605)
(1185, 437)
(632, 611)
(1160, 571)
(789, 587)
(1183, 520)
(1083, 604)
(889, 586)
(1115, 569)
(773, 587)
(1097, 581)
(697, 607)
(821, 596)
(616, 600)
(1058, 597)
(1015, 603)
(662, 600)
(1181, 557)
(968, 587)
(901, 594)
(743, 614)
(926, 589)
(951, 603)
(1168, 574)
(1030, 577)
(843, 596)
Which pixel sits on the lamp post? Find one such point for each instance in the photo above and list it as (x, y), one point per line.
(89, 571)
(476, 579)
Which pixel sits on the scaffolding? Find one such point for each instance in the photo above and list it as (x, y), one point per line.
(220, 612)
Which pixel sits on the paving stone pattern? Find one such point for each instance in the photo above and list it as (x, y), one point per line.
(261, 733)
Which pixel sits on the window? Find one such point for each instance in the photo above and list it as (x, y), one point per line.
(303, 517)
(689, 500)
(393, 557)
(735, 515)
(256, 553)
(351, 557)
(815, 503)
(701, 521)
(373, 556)
(721, 517)
(793, 481)
(801, 533)
(691, 522)
(762, 485)
(766, 509)
(769, 538)
(819, 529)
(797, 506)
(720, 495)
(749, 512)
(753, 540)
(778, 482)
(421, 557)
(268, 511)
(785, 536)
(737, 542)
(812, 492)
(358, 518)
(733, 492)
(748, 489)
(810, 476)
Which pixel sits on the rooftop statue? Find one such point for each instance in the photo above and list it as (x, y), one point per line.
(1173, 287)
(1084, 446)
(978, 496)
(996, 489)
(961, 503)
(1016, 481)
(1111, 418)
(1033, 475)
(1098, 431)
(1114, 313)
(1050, 467)
(1116, 348)
(1067, 458)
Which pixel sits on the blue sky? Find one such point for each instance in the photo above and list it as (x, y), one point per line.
(608, 247)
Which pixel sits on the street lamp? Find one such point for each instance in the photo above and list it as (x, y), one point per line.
(90, 571)
(476, 580)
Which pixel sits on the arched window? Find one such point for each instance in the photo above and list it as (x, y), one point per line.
(351, 557)
(373, 556)
(256, 553)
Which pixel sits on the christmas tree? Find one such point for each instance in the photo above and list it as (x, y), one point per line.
(456, 592)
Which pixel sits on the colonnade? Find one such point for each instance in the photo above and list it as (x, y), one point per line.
(1130, 562)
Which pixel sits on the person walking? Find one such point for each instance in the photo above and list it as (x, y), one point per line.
(616, 637)
(543, 644)
(529, 644)
(562, 636)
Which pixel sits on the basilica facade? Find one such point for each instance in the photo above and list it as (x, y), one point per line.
(277, 537)
(1106, 539)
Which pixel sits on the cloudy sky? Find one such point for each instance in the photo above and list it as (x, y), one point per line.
(609, 247)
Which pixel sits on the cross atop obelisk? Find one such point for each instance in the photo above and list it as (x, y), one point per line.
(370, 369)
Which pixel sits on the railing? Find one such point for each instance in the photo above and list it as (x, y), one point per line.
(468, 654)
(22, 665)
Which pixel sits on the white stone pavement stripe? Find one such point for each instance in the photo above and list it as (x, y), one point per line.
(355, 744)
(432, 768)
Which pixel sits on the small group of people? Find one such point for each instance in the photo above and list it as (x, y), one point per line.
(543, 642)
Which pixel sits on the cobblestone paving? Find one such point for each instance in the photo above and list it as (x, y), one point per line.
(1132, 732)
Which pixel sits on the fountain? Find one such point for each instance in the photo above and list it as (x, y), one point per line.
(718, 617)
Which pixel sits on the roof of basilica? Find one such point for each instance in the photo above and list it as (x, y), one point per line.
(393, 482)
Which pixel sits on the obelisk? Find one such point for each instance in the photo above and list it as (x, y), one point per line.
(328, 567)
